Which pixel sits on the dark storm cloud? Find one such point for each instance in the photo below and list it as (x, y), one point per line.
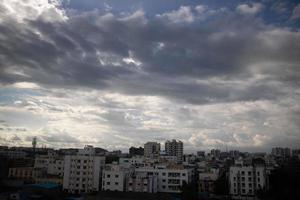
(88, 50)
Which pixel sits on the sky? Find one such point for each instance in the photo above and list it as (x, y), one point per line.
(115, 74)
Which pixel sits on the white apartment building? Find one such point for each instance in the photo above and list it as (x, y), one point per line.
(245, 181)
(152, 149)
(174, 148)
(169, 178)
(51, 163)
(82, 172)
(134, 161)
(56, 167)
(141, 182)
(113, 177)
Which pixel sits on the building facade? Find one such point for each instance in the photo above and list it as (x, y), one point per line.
(152, 149)
(82, 172)
(245, 181)
(114, 177)
(174, 148)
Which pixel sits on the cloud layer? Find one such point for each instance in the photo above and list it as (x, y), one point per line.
(213, 77)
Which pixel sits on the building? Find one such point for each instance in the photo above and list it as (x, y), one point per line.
(201, 153)
(133, 151)
(135, 161)
(141, 182)
(245, 181)
(152, 149)
(22, 173)
(215, 153)
(12, 154)
(114, 177)
(83, 172)
(281, 152)
(169, 178)
(207, 181)
(174, 148)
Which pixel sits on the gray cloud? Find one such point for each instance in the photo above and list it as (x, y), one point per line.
(231, 58)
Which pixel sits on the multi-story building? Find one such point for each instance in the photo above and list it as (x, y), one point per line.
(13, 154)
(133, 151)
(169, 178)
(141, 182)
(22, 173)
(82, 172)
(207, 181)
(133, 161)
(56, 167)
(174, 148)
(245, 181)
(114, 177)
(152, 149)
(281, 152)
(215, 153)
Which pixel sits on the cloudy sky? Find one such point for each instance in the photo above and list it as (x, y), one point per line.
(214, 74)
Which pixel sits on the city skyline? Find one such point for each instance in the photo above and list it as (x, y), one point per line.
(214, 75)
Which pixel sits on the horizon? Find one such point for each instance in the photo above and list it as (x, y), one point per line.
(213, 74)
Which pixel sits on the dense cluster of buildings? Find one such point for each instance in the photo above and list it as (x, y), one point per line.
(145, 169)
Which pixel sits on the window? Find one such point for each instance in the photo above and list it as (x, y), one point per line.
(116, 175)
(107, 183)
(243, 172)
(249, 179)
(163, 174)
(164, 180)
(243, 178)
(243, 191)
(108, 176)
(116, 183)
(250, 184)
(164, 187)
(183, 174)
(249, 173)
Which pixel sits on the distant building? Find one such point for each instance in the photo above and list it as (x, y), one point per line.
(114, 177)
(215, 153)
(152, 149)
(174, 148)
(207, 181)
(169, 178)
(245, 181)
(133, 151)
(135, 161)
(82, 172)
(22, 173)
(141, 182)
(12, 154)
(281, 152)
(201, 153)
